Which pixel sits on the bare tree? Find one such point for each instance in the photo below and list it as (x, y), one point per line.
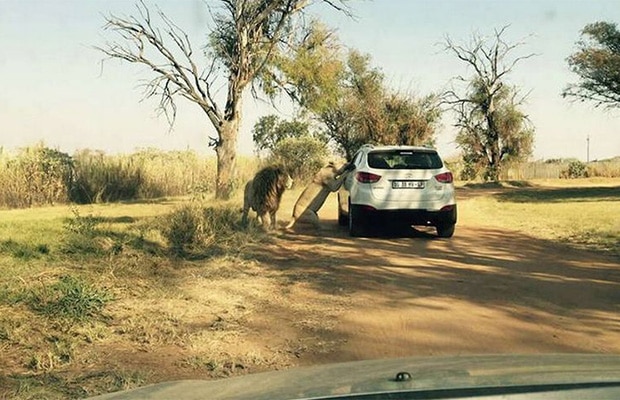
(491, 128)
(246, 37)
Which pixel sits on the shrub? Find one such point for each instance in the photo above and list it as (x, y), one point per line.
(36, 176)
(575, 169)
(100, 178)
(194, 229)
(302, 156)
(80, 234)
(182, 228)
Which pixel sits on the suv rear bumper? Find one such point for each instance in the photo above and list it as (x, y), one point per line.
(372, 217)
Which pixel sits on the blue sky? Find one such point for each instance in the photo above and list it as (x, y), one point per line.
(53, 88)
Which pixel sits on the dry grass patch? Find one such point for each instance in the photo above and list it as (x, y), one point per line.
(579, 213)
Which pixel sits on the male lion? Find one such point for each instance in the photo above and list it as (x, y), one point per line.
(327, 180)
(263, 194)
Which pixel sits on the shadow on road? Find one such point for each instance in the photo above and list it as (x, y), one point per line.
(527, 193)
(554, 195)
(534, 282)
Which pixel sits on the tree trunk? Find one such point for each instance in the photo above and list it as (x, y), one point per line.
(493, 169)
(226, 147)
(494, 164)
(226, 151)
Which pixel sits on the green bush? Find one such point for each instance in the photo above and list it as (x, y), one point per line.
(302, 156)
(575, 169)
(80, 234)
(183, 228)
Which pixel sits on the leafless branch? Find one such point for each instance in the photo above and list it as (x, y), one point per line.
(174, 75)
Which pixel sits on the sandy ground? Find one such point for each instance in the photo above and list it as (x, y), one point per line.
(316, 297)
(483, 291)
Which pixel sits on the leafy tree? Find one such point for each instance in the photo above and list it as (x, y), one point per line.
(408, 121)
(351, 100)
(302, 156)
(292, 144)
(597, 63)
(270, 130)
(515, 138)
(492, 129)
(352, 113)
(247, 36)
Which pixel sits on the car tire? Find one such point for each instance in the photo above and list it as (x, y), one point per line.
(355, 220)
(445, 230)
(343, 218)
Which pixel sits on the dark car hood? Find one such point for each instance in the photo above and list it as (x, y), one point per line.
(457, 375)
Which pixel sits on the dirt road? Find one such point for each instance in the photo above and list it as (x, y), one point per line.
(310, 297)
(483, 291)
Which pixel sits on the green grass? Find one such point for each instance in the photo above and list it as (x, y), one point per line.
(68, 297)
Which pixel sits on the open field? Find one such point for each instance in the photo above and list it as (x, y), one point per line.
(95, 299)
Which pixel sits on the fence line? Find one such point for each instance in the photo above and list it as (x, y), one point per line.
(545, 170)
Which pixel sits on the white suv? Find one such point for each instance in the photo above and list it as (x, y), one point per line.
(406, 185)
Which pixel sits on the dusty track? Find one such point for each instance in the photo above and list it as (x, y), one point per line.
(483, 291)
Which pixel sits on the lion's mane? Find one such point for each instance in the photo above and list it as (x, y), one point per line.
(268, 186)
(264, 192)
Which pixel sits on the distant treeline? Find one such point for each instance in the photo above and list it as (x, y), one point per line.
(38, 175)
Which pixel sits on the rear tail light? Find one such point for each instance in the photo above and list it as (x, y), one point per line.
(367, 177)
(445, 177)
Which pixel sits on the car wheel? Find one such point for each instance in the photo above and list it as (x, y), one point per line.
(355, 221)
(343, 218)
(445, 231)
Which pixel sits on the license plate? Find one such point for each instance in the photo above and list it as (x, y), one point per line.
(407, 184)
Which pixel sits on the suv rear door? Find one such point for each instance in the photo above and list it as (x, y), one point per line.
(406, 175)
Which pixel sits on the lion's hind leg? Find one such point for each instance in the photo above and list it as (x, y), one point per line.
(265, 221)
(246, 203)
(244, 216)
(274, 220)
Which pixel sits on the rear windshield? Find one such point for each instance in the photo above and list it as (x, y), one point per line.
(404, 159)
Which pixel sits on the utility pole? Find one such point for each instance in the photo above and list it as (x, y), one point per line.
(588, 149)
